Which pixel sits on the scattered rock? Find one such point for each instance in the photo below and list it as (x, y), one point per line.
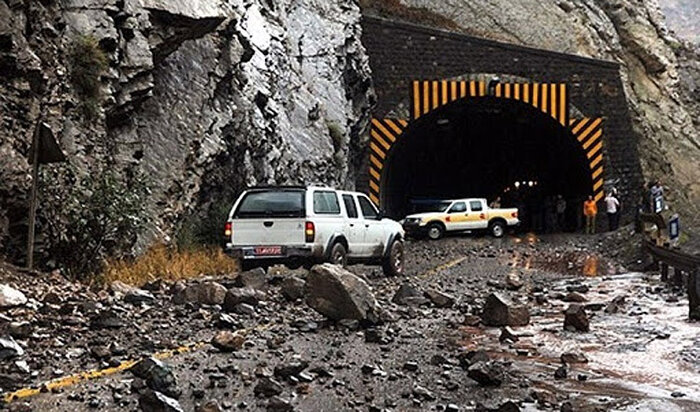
(277, 403)
(11, 297)
(508, 334)
(20, 330)
(9, 348)
(205, 293)
(499, 310)
(338, 294)
(154, 401)
(106, 319)
(409, 295)
(137, 296)
(267, 387)
(211, 406)
(572, 357)
(254, 279)
(292, 288)
(576, 319)
(439, 299)
(227, 341)
(423, 393)
(575, 297)
(486, 373)
(615, 305)
(287, 370)
(677, 394)
(158, 376)
(513, 281)
(561, 372)
(236, 296)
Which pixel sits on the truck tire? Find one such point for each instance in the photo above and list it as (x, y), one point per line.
(435, 231)
(393, 262)
(497, 228)
(338, 255)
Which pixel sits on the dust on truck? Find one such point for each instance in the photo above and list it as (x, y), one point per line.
(460, 215)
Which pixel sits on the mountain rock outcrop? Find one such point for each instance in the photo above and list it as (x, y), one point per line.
(192, 99)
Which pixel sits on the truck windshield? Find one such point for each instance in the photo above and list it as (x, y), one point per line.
(272, 203)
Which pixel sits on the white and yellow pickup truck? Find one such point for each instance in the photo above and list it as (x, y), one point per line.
(460, 215)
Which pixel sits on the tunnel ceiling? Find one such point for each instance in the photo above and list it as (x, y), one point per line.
(478, 147)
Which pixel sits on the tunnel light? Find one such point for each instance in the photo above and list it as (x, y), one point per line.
(442, 122)
(530, 183)
(516, 184)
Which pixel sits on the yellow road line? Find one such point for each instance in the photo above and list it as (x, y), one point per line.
(79, 377)
(442, 267)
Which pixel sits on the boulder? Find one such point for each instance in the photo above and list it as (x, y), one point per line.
(20, 330)
(235, 296)
(576, 319)
(499, 310)
(338, 294)
(292, 288)
(205, 293)
(409, 295)
(267, 387)
(439, 299)
(11, 297)
(158, 376)
(255, 279)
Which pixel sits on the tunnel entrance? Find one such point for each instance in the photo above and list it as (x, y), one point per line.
(489, 147)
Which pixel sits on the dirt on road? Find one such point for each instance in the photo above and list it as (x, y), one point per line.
(252, 342)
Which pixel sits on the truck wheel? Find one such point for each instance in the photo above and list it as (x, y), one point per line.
(392, 264)
(339, 255)
(435, 231)
(497, 228)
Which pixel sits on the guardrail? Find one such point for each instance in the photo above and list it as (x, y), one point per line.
(686, 272)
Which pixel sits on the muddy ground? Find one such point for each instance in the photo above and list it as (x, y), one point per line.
(641, 353)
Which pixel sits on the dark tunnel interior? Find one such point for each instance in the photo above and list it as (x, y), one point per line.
(480, 147)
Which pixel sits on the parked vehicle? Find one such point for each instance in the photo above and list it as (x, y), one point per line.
(306, 225)
(460, 215)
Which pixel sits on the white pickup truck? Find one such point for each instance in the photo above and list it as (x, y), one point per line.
(306, 225)
(460, 215)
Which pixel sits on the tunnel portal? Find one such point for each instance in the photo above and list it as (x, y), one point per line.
(486, 147)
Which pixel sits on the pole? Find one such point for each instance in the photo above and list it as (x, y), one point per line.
(32, 199)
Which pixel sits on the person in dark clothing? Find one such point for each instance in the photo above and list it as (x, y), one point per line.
(561, 213)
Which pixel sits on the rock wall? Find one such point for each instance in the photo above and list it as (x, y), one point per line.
(659, 72)
(200, 98)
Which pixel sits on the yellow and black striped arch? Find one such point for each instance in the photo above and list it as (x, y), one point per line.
(383, 134)
(589, 133)
(550, 98)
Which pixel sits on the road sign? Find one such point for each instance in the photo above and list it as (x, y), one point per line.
(674, 228)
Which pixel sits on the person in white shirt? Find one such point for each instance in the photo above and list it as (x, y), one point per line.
(612, 206)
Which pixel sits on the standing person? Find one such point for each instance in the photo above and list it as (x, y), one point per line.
(590, 210)
(612, 206)
(561, 212)
(657, 197)
(496, 204)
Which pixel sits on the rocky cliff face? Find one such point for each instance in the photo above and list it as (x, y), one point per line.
(660, 73)
(198, 98)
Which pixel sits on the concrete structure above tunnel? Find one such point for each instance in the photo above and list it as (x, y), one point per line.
(409, 60)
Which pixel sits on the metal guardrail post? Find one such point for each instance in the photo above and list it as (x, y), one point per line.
(694, 294)
(664, 271)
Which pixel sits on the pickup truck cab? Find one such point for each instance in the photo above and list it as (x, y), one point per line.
(460, 215)
(307, 225)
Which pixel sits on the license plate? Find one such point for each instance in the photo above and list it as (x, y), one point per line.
(268, 251)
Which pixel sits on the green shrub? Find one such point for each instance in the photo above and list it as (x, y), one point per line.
(100, 216)
(207, 230)
(87, 63)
